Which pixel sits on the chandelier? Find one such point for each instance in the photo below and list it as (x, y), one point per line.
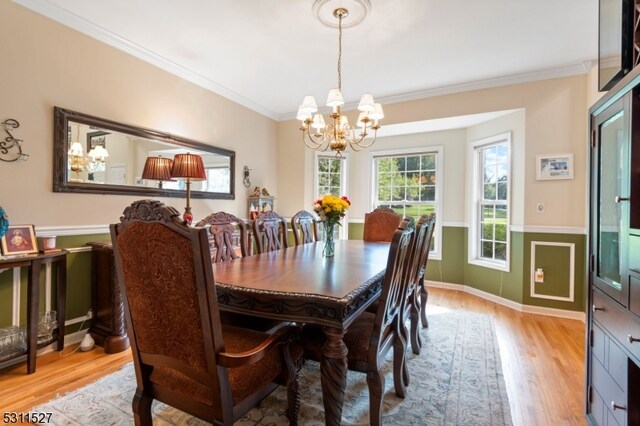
(338, 134)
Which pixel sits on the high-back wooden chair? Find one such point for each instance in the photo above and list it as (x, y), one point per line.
(422, 289)
(305, 227)
(222, 226)
(183, 355)
(380, 224)
(270, 232)
(370, 337)
(419, 254)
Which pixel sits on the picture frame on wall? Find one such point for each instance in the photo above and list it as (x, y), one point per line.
(559, 166)
(19, 240)
(96, 139)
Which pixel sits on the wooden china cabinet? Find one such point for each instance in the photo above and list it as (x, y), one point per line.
(613, 328)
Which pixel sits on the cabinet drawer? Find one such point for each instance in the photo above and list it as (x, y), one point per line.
(609, 392)
(617, 321)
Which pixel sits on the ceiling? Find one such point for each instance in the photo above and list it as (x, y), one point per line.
(268, 54)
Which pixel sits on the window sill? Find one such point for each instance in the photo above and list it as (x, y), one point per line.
(500, 266)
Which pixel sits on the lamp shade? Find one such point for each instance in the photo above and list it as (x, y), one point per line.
(188, 166)
(157, 168)
(366, 103)
(76, 149)
(308, 105)
(334, 99)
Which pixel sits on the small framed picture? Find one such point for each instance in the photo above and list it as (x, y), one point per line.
(96, 139)
(19, 239)
(554, 166)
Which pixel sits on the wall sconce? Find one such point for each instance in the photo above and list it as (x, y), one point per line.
(246, 181)
(157, 168)
(10, 147)
(189, 167)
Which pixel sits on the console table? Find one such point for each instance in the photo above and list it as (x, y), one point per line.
(34, 264)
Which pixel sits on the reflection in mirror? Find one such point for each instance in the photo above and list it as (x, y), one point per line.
(101, 156)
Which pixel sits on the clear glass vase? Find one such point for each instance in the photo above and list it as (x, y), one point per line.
(329, 243)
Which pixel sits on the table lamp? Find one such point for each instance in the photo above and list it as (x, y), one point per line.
(189, 167)
(157, 168)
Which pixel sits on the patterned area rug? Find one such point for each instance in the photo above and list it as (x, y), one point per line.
(456, 380)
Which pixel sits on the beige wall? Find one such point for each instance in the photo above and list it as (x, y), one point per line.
(45, 64)
(555, 119)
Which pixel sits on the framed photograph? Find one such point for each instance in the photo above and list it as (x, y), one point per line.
(558, 166)
(19, 239)
(96, 139)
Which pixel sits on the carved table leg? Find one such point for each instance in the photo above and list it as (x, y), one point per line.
(333, 371)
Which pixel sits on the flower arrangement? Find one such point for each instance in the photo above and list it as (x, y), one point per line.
(331, 208)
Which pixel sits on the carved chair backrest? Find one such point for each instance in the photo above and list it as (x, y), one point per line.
(222, 227)
(166, 279)
(380, 224)
(389, 314)
(270, 232)
(419, 250)
(305, 227)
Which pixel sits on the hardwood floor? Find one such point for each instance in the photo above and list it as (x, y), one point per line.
(542, 359)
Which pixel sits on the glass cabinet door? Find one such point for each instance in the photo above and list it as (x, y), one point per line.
(610, 200)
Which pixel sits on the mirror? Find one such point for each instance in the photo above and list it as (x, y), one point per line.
(95, 155)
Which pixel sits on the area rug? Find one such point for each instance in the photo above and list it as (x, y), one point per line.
(456, 380)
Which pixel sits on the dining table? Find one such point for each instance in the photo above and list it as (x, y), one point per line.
(301, 285)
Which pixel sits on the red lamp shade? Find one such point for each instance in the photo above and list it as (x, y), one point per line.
(188, 166)
(157, 168)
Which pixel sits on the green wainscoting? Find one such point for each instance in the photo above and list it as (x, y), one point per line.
(514, 285)
(452, 268)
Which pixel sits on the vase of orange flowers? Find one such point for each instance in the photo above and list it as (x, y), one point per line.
(330, 209)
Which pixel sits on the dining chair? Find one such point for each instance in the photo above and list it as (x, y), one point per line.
(270, 232)
(370, 337)
(419, 254)
(422, 288)
(380, 224)
(183, 355)
(305, 227)
(222, 227)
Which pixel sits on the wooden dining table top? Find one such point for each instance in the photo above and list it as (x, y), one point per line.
(299, 283)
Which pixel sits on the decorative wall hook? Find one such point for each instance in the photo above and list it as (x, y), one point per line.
(246, 181)
(10, 147)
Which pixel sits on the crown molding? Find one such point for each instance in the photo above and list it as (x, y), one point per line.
(544, 74)
(68, 19)
(64, 17)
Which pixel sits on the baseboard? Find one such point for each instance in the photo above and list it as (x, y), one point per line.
(529, 309)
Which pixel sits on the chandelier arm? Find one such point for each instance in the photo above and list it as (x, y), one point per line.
(312, 143)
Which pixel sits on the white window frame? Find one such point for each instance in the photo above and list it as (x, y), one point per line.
(476, 191)
(344, 229)
(436, 254)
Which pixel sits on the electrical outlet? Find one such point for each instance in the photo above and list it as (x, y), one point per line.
(90, 314)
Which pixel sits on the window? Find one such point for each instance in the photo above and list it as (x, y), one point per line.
(331, 178)
(409, 182)
(489, 235)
